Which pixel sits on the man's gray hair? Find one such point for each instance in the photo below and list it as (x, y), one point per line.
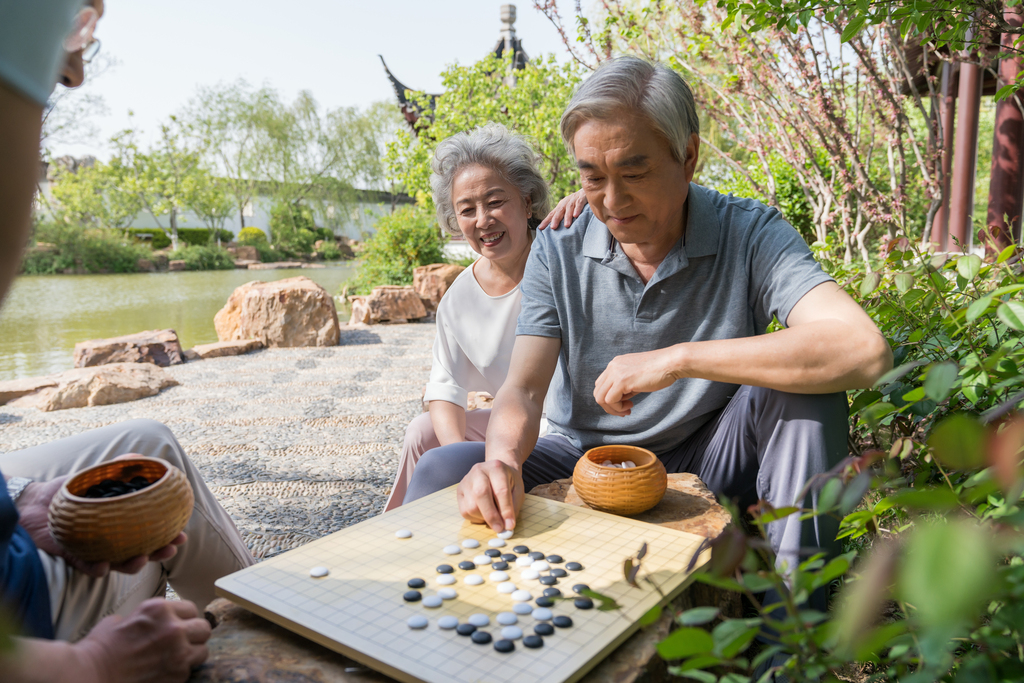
(654, 91)
(494, 147)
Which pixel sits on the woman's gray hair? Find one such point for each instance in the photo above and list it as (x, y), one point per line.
(654, 91)
(494, 147)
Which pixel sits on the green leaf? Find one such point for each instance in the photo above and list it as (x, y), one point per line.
(756, 583)
(650, 616)
(685, 642)
(940, 380)
(904, 281)
(926, 499)
(871, 280)
(864, 398)
(777, 514)
(958, 441)
(854, 27)
(913, 395)
(854, 492)
(1012, 313)
(697, 616)
(898, 372)
(968, 266)
(978, 308)
(697, 675)
(1008, 252)
(733, 636)
(829, 495)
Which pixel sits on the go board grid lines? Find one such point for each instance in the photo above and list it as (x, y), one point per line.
(358, 609)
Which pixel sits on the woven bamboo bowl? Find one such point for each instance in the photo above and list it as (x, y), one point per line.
(119, 528)
(620, 491)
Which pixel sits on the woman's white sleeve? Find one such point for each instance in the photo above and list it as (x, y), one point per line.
(444, 370)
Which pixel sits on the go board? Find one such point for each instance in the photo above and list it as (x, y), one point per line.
(358, 608)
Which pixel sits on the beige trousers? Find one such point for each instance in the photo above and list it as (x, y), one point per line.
(214, 547)
(420, 438)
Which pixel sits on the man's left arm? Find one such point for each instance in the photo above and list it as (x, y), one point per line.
(830, 344)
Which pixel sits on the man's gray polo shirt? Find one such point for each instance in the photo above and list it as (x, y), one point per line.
(739, 264)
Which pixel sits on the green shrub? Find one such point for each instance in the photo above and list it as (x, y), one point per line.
(92, 250)
(251, 237)
(329, 250)
(406, 238)
(324, 234)
(204, 258)
(268, 254)
(195, 236)
(292, 229)
(155, 237)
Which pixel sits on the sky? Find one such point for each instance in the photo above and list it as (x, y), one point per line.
(166, 50)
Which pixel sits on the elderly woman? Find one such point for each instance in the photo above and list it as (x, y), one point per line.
(487, 188)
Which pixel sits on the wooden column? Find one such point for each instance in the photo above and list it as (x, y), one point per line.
(1005, 191)
(947, 111)
(965, 157)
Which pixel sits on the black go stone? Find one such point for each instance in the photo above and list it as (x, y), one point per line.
(444, 569)
(465, 629)
(580, 587)
(583, 603)
(555, 559)
(545, 629)
(561, 621)
(499, 566)
(559, 572)
(467, 564)
(509, 557)
(574, 566)
(536, 556)
(548, 581)
(504, 645)
(520, 550)
(552, 593)
(544, 601)
(417, 583)
(481, 637)
(412, 596)
(533, 641)
(492, 552)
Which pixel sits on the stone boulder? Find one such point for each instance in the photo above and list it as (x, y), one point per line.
(276, 265)
(391, 303)
(176, 265)
(224, 348)
(431, 282)
(159, 347)
(244, 253)
(286, 313)
(360, 311)
(95, 386)
(144, 265)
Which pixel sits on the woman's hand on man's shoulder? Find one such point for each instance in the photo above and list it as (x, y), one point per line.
(567, 210)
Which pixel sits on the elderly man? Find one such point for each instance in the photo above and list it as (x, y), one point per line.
(657, 302)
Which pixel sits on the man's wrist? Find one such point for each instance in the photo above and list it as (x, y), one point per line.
(506, 458)
(679, 360)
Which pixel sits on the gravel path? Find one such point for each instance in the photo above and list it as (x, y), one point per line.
(295, 443)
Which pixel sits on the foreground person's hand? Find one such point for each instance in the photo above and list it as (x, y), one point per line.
(631, 374)
(160, 642)
(565, 212)
(492, 494)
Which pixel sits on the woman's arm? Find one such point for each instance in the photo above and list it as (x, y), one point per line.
(449, 422)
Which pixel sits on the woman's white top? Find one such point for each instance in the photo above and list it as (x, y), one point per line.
(475, 336)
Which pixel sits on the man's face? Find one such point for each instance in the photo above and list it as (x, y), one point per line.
(633, 183)
(72, 74)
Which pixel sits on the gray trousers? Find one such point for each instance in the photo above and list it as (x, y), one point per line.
(765, 444)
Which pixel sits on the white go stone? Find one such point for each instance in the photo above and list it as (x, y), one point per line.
(540, 566)
(448, 623)
(417, 621)
(471, 543)
(498, 577)
(507, 618)
(452, 550)
(447, 593)
(318, 572)
(505, 535)
(482, 560)
(432, 601)
(403, 533)
(445, 579)
(507, 587)
(524, 561)
(479, 620)
(522, 596)
(522, 608)
(496, 543)
(629, 463)
(542, 614)
(511, 633)
(471, 579)
(531, 575)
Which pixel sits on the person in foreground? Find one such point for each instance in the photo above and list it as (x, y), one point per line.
(656, 303)
(487, 188)
(109, 625)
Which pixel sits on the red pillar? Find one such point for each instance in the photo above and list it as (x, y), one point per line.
(1005, 191)
(965, 157)
(947, 110)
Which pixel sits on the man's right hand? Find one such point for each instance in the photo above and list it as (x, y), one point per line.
(492, 494)
(161, 641)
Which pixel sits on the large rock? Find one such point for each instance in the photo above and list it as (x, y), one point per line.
(244, 253)
(431, 282)
(96, 386)
(392, 303)
(286, 313)
(159, 347)
(176, 265)
(360, 311)
(276, 265)
(224, 348)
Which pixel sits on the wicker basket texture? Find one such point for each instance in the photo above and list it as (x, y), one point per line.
(117, 529)
(628, 491)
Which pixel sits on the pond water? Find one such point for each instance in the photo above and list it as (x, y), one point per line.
(44, 316)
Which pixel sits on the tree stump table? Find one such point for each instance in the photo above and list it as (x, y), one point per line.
(246, 648)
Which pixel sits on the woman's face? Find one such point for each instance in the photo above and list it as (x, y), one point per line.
(491, 214)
